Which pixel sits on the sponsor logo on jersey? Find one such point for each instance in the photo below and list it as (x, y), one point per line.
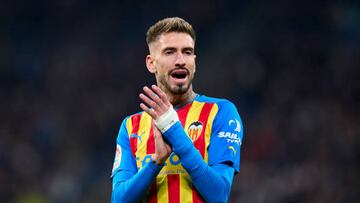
(233, 149)
(172, 160)
(137, 136)
(194, 130)
(238, 125)
(117, 158)
(232, 137)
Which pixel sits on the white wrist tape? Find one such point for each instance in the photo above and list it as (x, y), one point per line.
(165, 121)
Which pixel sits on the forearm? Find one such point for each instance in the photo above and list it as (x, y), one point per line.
(131, 188)
(212, 186)
(181, 144)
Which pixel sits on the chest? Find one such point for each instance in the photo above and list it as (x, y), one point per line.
(196, 118)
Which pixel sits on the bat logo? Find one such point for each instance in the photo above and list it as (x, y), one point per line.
(194, 130)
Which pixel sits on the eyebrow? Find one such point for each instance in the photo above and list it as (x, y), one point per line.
(174, 49)
(188, 49)
(169, 48)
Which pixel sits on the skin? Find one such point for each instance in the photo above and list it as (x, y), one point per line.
(172, 53)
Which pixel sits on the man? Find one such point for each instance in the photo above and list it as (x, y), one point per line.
(183, 147)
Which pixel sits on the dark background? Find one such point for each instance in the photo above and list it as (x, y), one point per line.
(71, 70)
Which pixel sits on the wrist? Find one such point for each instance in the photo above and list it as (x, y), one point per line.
(156, 168)
(165, 121)
(157, 161)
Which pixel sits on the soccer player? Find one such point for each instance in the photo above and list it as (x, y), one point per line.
(183, 146)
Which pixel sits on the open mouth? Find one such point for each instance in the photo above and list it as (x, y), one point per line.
(179, 73)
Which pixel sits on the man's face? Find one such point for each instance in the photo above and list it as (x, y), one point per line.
(172, 60)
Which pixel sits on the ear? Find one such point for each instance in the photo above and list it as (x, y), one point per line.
(150, 64)
(194, 63)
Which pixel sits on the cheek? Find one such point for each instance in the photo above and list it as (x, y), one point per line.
(161, 65)
(161, 70)
(191, 61)
(192, 66)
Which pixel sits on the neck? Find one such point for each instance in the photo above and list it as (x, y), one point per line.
(181, 99)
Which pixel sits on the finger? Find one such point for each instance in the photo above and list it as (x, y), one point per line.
(155, 131)
(153, 96)
(155, 134)
(161, 94)
(151, 112)
(168, 148)
(148, 101)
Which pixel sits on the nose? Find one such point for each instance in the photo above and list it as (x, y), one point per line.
(180, 60)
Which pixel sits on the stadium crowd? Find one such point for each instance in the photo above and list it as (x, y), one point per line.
(70, 70)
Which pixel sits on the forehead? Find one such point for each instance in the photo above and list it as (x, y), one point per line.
(174, 39)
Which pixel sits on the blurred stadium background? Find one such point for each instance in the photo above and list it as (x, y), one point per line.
(71, 71)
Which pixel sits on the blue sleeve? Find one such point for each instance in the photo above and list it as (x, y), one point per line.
(129, 187)
(124, 160)
(129, 184)
(226, 138)
(213, 183)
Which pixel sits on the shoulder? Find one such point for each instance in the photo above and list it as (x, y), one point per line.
(133, 116)
(220, 102)
(131, 119)
(128, 124)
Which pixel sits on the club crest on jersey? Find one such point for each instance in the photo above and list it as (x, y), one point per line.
(194, 130)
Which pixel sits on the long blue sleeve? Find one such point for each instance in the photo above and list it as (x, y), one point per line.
(129, 183)
(213, 183)
(130, 187)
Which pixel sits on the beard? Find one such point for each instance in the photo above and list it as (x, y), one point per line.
(176, 89)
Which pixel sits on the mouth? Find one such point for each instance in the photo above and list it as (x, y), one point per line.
(179, 74)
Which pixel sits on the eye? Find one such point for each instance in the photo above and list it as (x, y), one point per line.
(188, 52)
(168, 52)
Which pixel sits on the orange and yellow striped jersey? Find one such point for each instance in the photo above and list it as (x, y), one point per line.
(206, 121)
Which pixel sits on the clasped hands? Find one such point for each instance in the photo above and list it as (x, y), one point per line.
(157, 105)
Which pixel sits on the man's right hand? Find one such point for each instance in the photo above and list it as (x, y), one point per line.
(162, 149)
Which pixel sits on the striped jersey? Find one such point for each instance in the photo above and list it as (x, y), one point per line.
(214, 127)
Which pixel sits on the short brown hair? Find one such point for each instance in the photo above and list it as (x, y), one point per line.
(166, 25)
